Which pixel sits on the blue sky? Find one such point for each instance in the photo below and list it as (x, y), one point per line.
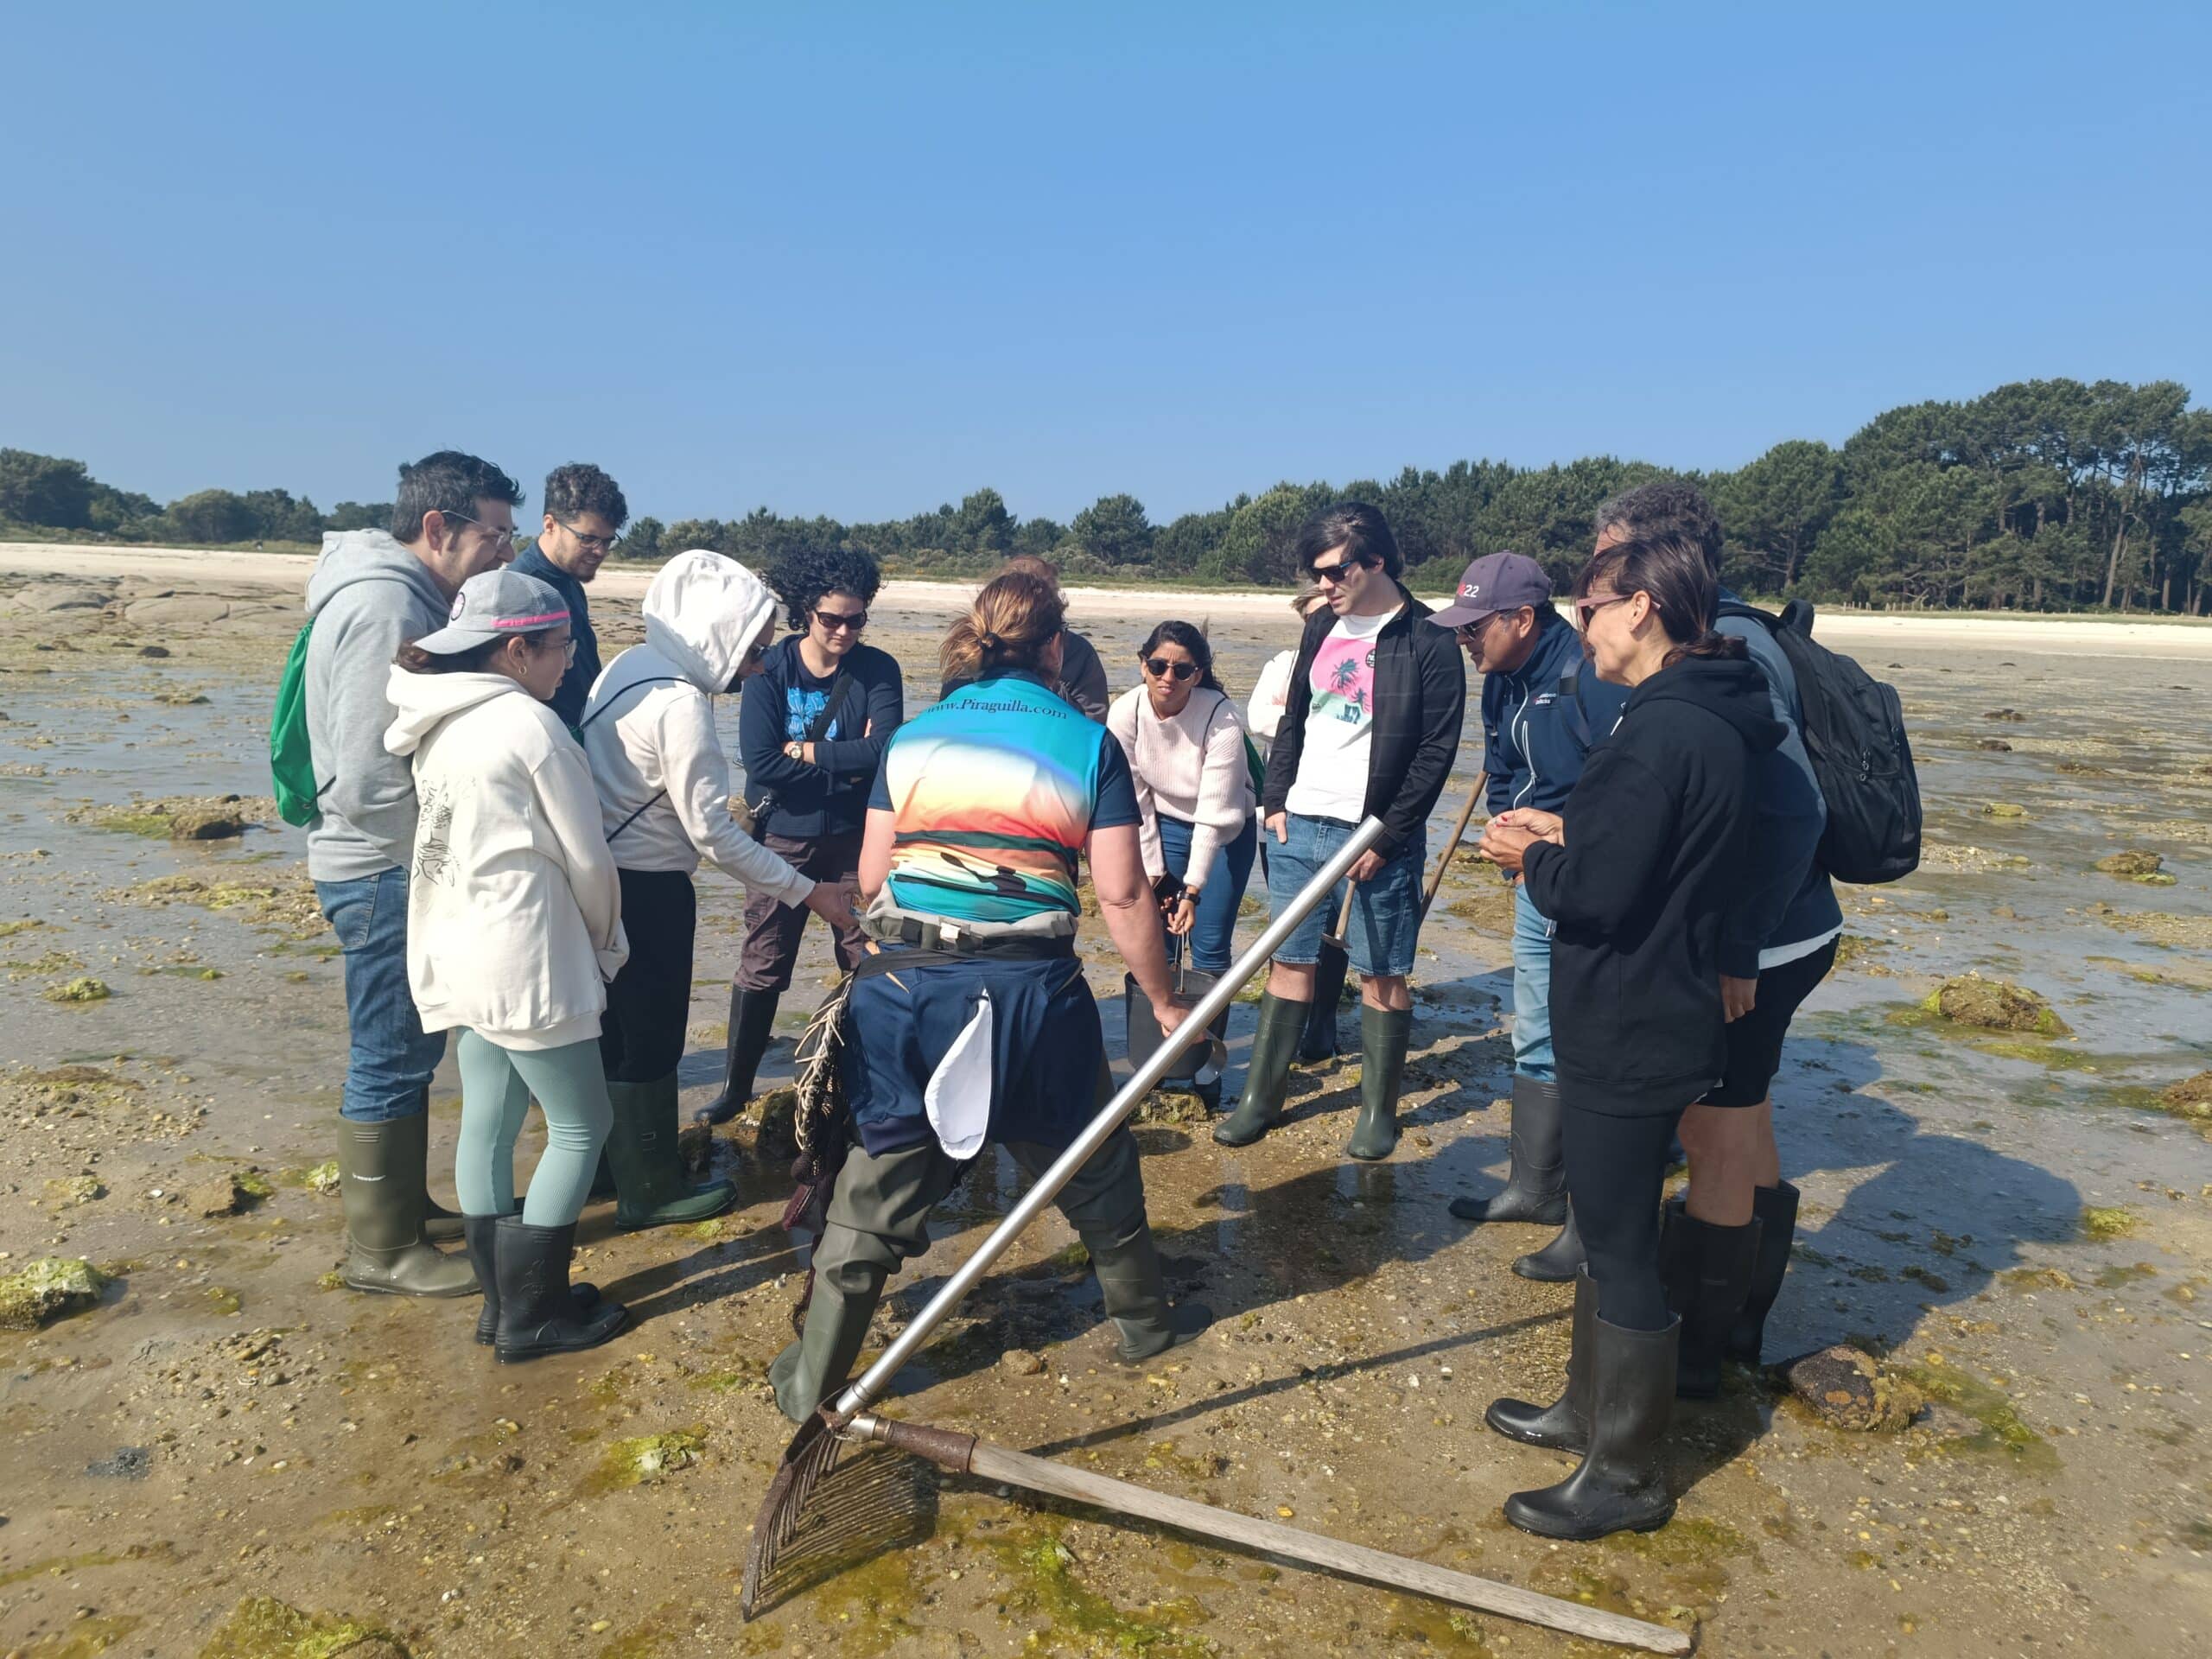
(859, 259)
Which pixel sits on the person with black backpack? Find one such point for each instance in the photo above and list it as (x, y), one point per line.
(1541, 712)
(1725, 1243)
(810, 733)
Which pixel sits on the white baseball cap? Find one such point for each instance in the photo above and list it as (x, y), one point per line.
(492, 606)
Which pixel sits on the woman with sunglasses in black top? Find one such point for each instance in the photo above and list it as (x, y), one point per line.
(1187, 753)
(810, 732)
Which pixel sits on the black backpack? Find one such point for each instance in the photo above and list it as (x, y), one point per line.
(1854, 727)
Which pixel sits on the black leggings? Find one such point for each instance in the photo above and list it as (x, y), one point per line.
(1616, 1169)
(649, 1005)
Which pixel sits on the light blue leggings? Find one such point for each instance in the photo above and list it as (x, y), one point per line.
(496, 1086)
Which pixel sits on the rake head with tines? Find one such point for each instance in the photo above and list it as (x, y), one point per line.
(811, 1455)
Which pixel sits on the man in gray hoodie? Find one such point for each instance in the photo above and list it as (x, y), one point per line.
(371, 593)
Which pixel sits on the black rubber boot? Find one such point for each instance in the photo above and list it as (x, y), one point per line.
(1135, 1293)
(1558, 1262)
(1383, 1035)
(1776, 1210)
(651, 1187)
(1266, 1079)
(752, 1021)
(483, 1255)
(1536, 1175)
(1621, 1483)
(440, 1225)
(1318, 1042)
(380, 1178)
(1563, 1425)
(1707, 1270)
(537, 1311)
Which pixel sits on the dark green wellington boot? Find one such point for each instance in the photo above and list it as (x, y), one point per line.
(651, 1188)
(1776, 1210)
(380, 1177)
(1266, 1079)
(1135, 1293)
(1558, 1262)
(1320, 1042)
(483, 1255)
(537, 1313)
(849, 1269)
(1383, 1034)
(752, 1022)
(1563, 1426)
(1621, 1483)
(1707, 1270)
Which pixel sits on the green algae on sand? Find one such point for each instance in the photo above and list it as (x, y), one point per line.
(47, 1289)
(647, 1459)
(2101, 1224)
(1994, 1005)
(262, 1627)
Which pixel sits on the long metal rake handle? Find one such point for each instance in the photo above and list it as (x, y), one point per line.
(873, 1381)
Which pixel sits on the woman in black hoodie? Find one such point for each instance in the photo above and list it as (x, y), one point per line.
(1639, 872)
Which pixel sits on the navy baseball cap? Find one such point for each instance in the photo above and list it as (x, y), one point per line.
(1495, 582)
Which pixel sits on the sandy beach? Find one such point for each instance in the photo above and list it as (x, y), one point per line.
(2015, 1226)
(1095, 606)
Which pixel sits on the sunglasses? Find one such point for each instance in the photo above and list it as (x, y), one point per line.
(1586, 608)
(1159, 668)
(841, 622)
(1331, 574)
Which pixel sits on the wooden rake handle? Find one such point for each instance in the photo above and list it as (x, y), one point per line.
(965, 1454)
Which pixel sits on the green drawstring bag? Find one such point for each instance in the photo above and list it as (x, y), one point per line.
(291, 756)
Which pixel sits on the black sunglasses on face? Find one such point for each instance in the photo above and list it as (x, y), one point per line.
(1159, 668)
(1333, 574)
(834, 621)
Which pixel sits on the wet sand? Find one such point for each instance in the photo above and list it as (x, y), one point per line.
(2010, 1221)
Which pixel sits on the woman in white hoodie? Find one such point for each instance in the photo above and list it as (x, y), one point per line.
(664, 797)
(514, 927)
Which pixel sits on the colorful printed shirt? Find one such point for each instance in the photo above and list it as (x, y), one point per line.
(804, 699)
(1332, 780)
(994, 791)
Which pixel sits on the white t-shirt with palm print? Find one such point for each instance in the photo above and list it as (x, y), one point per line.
(1331, 781)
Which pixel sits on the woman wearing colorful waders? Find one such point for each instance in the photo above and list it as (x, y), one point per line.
(1640, 873)
(973, 1024)
(664, 797)
(514, 925)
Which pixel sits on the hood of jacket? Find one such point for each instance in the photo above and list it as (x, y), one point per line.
(420, 702)
(1731, 688)
(702, 611)
(351, 555)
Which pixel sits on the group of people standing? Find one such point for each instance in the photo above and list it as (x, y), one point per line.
(509, 833)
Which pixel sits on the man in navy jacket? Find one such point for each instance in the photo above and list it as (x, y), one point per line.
(1542, 710)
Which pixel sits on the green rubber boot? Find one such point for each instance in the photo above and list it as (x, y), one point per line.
(1266, 1080)
(1135, 1293)
(1383, 1034)
(849, 1269)
(380, 1181)
(651, 1189)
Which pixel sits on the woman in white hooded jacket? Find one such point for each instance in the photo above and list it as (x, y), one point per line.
(664, 797)
(514, 925)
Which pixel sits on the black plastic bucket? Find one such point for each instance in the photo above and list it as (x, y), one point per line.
(1198, 1064)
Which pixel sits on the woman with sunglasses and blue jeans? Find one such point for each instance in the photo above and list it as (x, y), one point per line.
(1186, 747)
(810, 732)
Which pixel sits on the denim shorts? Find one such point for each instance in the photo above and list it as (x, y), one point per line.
(1385, 912)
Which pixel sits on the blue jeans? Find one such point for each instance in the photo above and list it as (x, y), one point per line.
(388, 1068)
(1532, 990)
(1385, 916)
(1212, 937)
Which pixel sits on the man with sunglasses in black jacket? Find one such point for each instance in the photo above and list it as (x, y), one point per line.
(1371, 726)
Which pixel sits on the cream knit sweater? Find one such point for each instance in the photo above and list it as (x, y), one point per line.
(1191, 766)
